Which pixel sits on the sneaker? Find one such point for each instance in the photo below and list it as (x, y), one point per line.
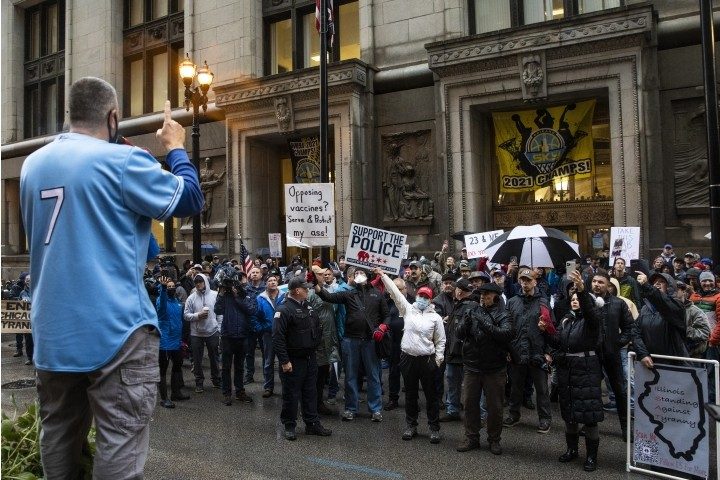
(217, 385)
(243, 397)
(450, 417)
(391, 405)
(610, 407)
(324, 410)
(167, 404)
(332, 401)
(528, 403)
(510, 421)
(377, 417)
(199, 389)
(409, 433)
(495, 448)
(267, 393)
(435, 437)
(348, 416)
(248, 380)
(228, 400)
(544, 426)
(179, 397)
(28, 362)
(290, 434)
(317, 429)
(467, 445)
(17, 354)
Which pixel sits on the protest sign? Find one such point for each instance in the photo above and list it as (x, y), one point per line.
(275, 243)
(624, 243)
(671, 427)
(15, 316)
(476, 242)
(370, 247)
(310, 214)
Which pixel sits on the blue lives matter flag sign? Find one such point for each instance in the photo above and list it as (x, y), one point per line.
(671, 425)
(370, 247)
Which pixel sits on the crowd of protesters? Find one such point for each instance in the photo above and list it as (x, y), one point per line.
(477, 337)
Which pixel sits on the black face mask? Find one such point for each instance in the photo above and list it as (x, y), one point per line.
(113, 137)
(171, 292)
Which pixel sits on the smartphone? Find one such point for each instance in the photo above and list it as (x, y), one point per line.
(513, 260)
(570, 266)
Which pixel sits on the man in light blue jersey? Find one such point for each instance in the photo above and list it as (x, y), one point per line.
(97, 359)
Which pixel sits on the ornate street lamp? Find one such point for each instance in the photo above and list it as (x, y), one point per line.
(197, 97)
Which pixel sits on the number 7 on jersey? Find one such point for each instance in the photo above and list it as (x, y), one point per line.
(59, 194)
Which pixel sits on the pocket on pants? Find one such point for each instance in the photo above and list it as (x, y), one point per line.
(137, 393)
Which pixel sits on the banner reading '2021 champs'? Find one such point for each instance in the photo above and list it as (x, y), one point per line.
(535, 146)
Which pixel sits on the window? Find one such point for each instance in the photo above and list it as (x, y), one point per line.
(292, 42)
(44, 68)
(492, 15)
(153, 48)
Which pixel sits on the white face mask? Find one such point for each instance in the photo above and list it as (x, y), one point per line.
(422, 303)
(360, 279)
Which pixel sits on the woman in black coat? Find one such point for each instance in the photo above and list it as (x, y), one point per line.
(579, 373)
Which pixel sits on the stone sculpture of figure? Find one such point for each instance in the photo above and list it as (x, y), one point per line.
(414, 203)
(392, 183)
(283, 114)
(404, 199)
(208, 181)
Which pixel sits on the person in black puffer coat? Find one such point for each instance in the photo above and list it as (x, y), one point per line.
(579, 373)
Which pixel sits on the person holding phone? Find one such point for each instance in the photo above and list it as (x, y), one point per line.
(97, 359)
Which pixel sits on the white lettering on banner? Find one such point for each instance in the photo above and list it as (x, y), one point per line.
(671, 425)
(15, 316)
(370, 247)
(310, 214)
(477, 242)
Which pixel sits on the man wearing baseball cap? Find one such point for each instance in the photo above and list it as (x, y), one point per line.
(529, 351)
(668, 255)
(707, 298)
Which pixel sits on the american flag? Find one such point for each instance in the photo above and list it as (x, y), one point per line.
(330, 21)
(245, 259)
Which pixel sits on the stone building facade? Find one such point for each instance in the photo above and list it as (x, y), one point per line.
(415, 92)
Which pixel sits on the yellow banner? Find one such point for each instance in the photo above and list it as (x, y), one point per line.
(535, 146)
(15, 316)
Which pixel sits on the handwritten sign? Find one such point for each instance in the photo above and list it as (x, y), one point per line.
(310, 214)
(476, 242)
(15, 316)
(671, 426)
(275, 243)
(624, 243)
(370, 247)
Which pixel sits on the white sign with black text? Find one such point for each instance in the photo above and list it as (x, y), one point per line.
(624, 243)
(275, 243)
(477, 242)
(370, 247)
(310, 214)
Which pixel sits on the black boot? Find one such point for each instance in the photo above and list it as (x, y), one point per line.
(162, 388)
(592, 448)
(175, 387)
(572, 448)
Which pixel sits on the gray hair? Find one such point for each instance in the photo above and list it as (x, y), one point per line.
(91, 99)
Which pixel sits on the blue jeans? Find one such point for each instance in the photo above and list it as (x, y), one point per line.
(353, 350)
(624, 361)
(454, 376)
(268, 361)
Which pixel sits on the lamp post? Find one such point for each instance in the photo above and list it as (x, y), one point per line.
(197, 97)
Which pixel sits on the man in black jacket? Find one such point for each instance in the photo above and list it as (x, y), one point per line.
(615, 333)
(237, 309)
(530, 353)
(366, 310)
(485, 334)
(296, 335)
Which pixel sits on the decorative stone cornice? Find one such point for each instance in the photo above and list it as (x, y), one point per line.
(350, 73)
(615, 23)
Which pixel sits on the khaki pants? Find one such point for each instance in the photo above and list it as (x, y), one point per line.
(120, 397)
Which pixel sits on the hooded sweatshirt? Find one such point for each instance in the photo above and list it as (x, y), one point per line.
(194, 305)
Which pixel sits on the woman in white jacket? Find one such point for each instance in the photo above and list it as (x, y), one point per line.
(422, 352)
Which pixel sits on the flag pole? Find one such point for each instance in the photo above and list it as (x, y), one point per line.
(324, 165)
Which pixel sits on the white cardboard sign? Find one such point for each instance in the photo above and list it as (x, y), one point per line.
(310, 214)
(624, 243)
(370, 247)
(275, 243)
(476, 242)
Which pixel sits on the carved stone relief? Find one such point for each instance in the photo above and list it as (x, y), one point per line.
(690, 154)
(406, 177)
(532, 76)
(284, 114)
(210, 180)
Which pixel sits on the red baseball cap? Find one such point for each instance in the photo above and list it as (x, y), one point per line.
(425, 292)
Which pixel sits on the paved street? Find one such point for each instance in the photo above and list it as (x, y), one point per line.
(203, 439)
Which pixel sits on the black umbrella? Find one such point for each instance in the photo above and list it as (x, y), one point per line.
(533, 245)
(460, 236)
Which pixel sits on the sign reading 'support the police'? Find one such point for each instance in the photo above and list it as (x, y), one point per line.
(671, 426)
(15, 316)
(310, 214)
(370, 247)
